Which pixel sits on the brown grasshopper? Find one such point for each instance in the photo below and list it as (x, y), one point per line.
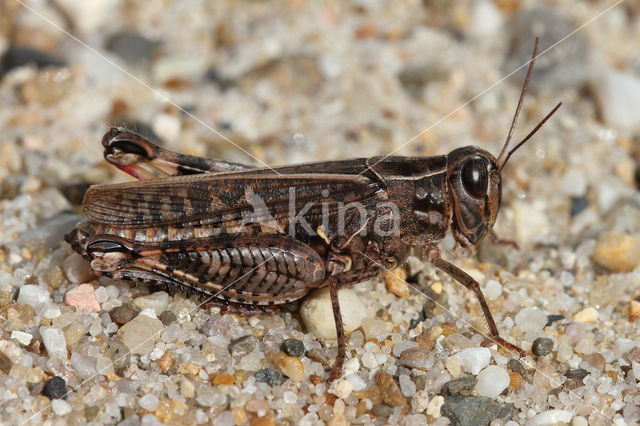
(254, 240)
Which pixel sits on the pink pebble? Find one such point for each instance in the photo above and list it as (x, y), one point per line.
(83, 297)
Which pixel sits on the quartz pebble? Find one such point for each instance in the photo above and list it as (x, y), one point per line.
(317, 312)
(531, 319)
(21, 337)
(396, 283)
(474, 359)
(618, 96)
(60, 407)
(54, 341)
(550, 417)
(492, 381)
(33, 295)
(148, 402)
(617, 252)
(83, 297)
(586, 315)
(140, 333)
(242, 346)
(157, 302)
(416, 358)
(77, 269)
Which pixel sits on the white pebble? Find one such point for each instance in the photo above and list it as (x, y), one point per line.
(531, 319)
(358, 383)
(21, 337)
(493, 289)
(618, 97)
(101, 294)
(167, 127)
(574, 182)
(148, 402)
(33, 295)
(317, 312)
(60, 407)
(290, 397)
(407, 387)
(474, 359)
(550, 417)
(369, 361)
(53, 340)
(157, 302)
(492, 381)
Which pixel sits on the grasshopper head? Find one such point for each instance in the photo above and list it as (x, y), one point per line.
(476, 190)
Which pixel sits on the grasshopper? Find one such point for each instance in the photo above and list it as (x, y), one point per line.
(255, 240)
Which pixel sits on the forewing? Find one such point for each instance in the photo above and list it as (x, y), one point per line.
(212, 198)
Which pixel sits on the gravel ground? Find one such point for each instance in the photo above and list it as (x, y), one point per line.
(294, 81)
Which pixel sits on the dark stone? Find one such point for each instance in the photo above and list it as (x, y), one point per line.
(415, 321)
(168, 318)
(575, 378)
(5, 363)
(214, 76)
(475, 410)
(16, 56)
(542, 346)
(55, 388)
(293, 347)
(243, 345)
(578, 204)
(562, 67)
(269, 376)
(460, 385)
(415, 78)
(553, 318)
(515, 366)
(383, 411)
(122, 314)
(132, 47)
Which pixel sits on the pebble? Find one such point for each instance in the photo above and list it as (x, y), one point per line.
(618, 99)
(550, 417)
(139, 334)
(21, 337)
(223, 379)
(242, 345)
(435, 406)
(416, 358)
(54, 341)
(60, 407)
(5, 363)
(293, 347)
(291, 367)
(574, 182)
(19, 56)
(83, 297)
(492, 381)
(157, 302)
(131, 46)
(317, 312)
(149, 402)
(617, 252)
(269, 376)
(562, 67)
(179, 67)
(55, 388)
(396, 283)
(473, 360)
(122, 314)
(575, 378)
(33, 295)
(475, 410)
(376, 329)
(493, 290)
(420, 401)
(391, 393)
(586, 315)
(461, 385)
(168, 318)
(407, 387)
(531, 319)
(578, 205)
(47, 87)
(542, 346)
(77, 269)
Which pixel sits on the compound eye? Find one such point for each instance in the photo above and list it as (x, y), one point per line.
(475, 178)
